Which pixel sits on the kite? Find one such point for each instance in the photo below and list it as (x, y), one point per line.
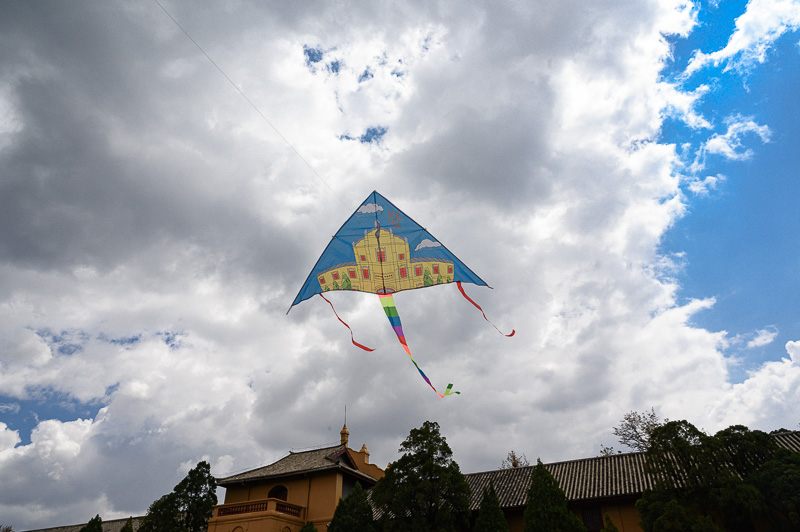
(380, 250)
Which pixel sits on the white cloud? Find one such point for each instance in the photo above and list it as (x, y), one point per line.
(427, 243)
(767, 399)
(763, 337)
(762, 23)
(730, 144)
(166, 228)
(702, 187)
(370, 208)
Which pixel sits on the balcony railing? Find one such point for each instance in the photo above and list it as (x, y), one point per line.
(275, 506)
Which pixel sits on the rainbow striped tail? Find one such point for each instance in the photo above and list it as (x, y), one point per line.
(387, 301)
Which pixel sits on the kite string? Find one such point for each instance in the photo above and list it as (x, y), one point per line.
(257, 110)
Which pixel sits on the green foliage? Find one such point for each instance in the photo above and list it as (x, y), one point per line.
(778, 480)
(95, 524)
(609, 525)
(164, 515)
(346, 284)
(546, 507)
(737, 476)
(490, 515)
(424, 489)
(427, 278)
(128, 527)
(308, 527)
(188, 507)
(661, 512)
(353, 513)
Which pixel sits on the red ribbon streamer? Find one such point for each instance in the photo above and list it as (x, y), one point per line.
(352, 338)
(458, 283)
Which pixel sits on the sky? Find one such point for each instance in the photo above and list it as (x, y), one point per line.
(623, 174)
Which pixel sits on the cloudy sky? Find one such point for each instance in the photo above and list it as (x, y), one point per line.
(622, 173)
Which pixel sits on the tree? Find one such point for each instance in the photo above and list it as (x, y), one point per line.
(6, 528)
(490, 514)
(424, 489)
(635, 429)
(546, 507)
(737, 476)
(778, 480)
(512, 460)
(609, 525)
(188, 507)
(353, 513)
(163, 515)
(128, 527)
(308, 527)
(95, 524)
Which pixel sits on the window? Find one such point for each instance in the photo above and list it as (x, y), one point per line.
(363, 258)
(403, 272)
(435, 269)
(401, 256)
(365, 273)
(381, 253)
(335, 276)
(417, 270)
(352, 273)
(450, 269)
(278, 492)
(322, 280)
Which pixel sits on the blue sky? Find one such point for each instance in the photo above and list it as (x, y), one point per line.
(623, 173)
(739, 239)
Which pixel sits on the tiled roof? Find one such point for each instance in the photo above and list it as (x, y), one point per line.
(788, 440)
(617, 475)
(297, 463)
(114, 525)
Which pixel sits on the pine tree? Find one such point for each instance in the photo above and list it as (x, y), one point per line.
(490, 515)
(353, 513)
(95, 524)
(546, 508)
(308, 527)
(188, 507)
(128, 527)
(424, 489)
(609, 525)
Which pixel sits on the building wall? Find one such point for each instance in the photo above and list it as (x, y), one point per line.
(623, 514)
(317, 494)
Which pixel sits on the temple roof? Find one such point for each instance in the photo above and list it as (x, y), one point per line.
(327, 458)
(599, 477)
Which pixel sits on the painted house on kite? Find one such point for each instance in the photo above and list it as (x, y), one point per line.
(301, 487)
(384, 263)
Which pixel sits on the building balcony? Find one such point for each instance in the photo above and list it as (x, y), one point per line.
(228, 515)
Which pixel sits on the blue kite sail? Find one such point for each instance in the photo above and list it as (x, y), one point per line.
(381, 250)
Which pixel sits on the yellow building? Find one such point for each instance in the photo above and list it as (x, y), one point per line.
(383, 262)
(300, 487)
